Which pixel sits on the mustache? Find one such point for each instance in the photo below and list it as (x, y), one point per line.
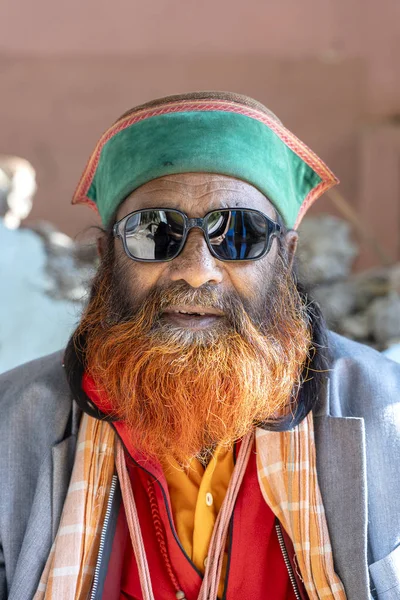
(161, 298)
(182, 294)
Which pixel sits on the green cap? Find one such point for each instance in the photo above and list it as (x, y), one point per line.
(206, 132)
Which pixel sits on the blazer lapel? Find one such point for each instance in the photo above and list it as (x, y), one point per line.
(341, 468)
(63, 460)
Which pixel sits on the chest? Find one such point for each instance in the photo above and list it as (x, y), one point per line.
(254, 566)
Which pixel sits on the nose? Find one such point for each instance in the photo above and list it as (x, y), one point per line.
(195, 264)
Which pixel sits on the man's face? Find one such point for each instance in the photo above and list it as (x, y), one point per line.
(184, 383)
(195, 194)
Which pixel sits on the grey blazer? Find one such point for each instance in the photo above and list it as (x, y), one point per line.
(357, 428)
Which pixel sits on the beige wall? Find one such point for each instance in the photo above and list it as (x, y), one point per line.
(329, 69)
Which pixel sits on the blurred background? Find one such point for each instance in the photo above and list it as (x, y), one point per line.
(328, 68)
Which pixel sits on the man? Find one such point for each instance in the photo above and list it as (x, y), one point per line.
(207, 437)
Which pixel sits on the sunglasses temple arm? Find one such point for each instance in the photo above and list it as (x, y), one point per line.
(116, 230)
(277, 231)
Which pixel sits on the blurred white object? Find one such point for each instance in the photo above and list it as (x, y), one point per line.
(41, 292)
(32, 323)
(18, 187)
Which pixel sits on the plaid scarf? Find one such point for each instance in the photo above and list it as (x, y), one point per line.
(287, 474)
(286, 465)
(69, 569)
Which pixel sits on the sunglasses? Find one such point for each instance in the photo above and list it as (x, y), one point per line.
(159, 234)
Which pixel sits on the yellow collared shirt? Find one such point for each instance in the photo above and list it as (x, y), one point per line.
(196, 497)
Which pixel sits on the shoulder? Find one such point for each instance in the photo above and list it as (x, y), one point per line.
(36, 396)
(366, 384)
(37, 441)
(361, 379)
(344, 348)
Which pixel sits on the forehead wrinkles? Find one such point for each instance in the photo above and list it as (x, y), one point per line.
(195, 181)
(197, 187)
(220, 192)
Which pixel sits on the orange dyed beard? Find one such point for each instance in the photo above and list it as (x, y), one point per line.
(181, 391)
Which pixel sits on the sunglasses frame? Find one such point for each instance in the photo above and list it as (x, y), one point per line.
(197, 223)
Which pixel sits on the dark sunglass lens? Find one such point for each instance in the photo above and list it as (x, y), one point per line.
(154, 234)
(237, 234)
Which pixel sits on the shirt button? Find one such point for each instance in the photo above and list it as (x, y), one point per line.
(205, 561)
(209, 499)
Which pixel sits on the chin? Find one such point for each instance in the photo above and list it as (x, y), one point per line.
(185, 336)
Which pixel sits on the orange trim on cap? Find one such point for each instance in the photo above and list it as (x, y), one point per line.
(312, 196)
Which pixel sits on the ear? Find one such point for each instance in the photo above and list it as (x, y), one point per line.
(290, 242)
(101, 245)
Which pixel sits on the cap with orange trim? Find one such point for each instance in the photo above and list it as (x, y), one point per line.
(204, 132)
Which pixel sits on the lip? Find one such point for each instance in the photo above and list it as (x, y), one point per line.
(191, 321)
(194, 308)
(206, 317)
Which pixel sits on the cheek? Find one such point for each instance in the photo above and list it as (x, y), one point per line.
(252, 279)
(136, 278)
(141, 278)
